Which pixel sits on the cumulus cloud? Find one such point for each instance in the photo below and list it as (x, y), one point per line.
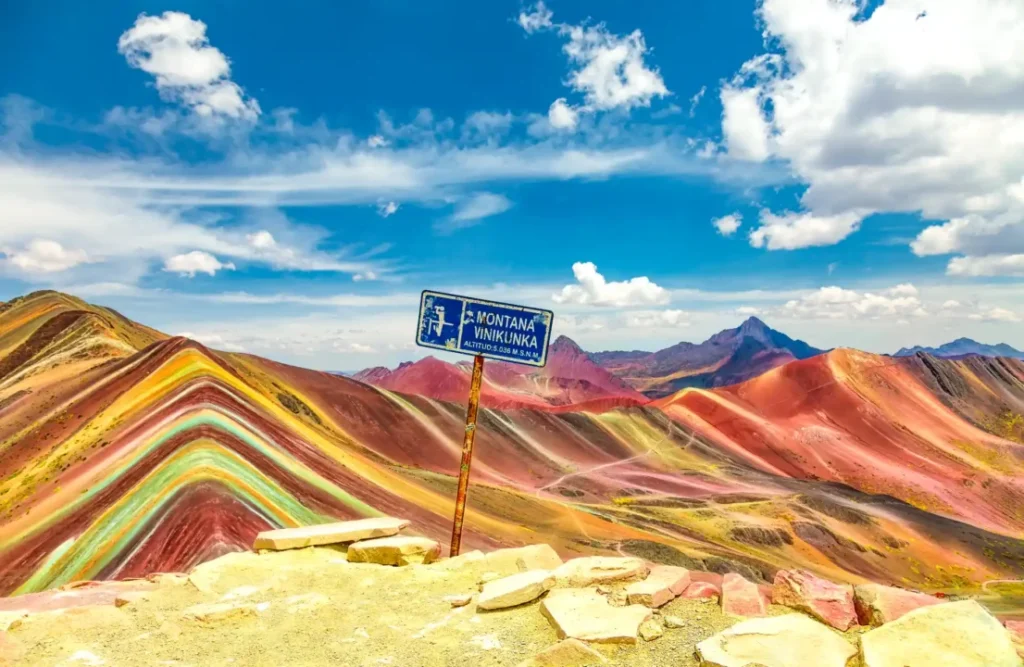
(174, 48)
(538, 18)
(790, 231)
(561, 116)
(744, 128)
(881, 109)
(837, 303)
(197, 261)
(609, 70)
(657, 319)
(377, 141)
(728, 224)
(592, 289)
(989, 265)
(387, 209)
(43, 256)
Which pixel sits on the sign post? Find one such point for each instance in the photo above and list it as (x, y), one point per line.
(483, 329)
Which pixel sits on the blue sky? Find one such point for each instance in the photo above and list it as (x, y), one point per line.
(286, 181)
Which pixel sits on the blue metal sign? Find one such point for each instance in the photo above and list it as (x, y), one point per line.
(486, 328)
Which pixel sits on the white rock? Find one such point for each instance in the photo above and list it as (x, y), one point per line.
(515, 590)
(793, 640)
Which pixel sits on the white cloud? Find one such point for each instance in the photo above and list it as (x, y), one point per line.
(989, 265)
(728, 224)
(996, 315)
(608, 70)
(695, 100)
(387, 209)
(360, 348)
(832, 267)
(377, 141)
(592, 289)
(472, 210)
(744, 127)
(561, 116)
(838, 303)
(909, 106)
(44, 256)
(486, 125)
(197, 261)
(657, 319)
(366, 275)
(174, 48)
(539, 18)
(790, 231)
(611, 72)
(748, 311)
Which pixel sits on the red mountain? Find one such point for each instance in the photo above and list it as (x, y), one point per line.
(570, 378)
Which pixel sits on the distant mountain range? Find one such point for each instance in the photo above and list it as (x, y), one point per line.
(573, 376)
(570, 378)
(728, 357)
(964, 346)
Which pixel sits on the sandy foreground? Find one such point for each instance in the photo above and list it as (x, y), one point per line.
(313, 607)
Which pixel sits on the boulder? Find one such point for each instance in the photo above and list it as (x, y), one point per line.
(398, 550)
(522, 559)
(793, 640)
(328, 533)
(593, 570)
(741, 597)
(651, 629)
(583, 613)
(661, 586)
(515, 590)
(566, 653)
(829, 602)
(951, 634)
(701, 590)
(877, 605)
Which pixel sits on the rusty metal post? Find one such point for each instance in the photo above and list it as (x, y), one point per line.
(467, 454)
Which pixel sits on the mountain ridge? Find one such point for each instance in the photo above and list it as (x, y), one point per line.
(685, 364)
(963, 346)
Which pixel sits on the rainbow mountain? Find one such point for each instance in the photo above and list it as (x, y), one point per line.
(124, 451)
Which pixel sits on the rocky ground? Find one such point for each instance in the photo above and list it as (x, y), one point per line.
(515, 607)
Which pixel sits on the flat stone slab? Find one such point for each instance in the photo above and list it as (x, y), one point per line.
(952, 634)
(328, 533)
(877, 605)
(397, 550)
(829, 602)
(515, 590)
(793, 640)
(662, 585)
(522, 559)
(583, 613)
(593, 570)
(566, 653)
(741, 597)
